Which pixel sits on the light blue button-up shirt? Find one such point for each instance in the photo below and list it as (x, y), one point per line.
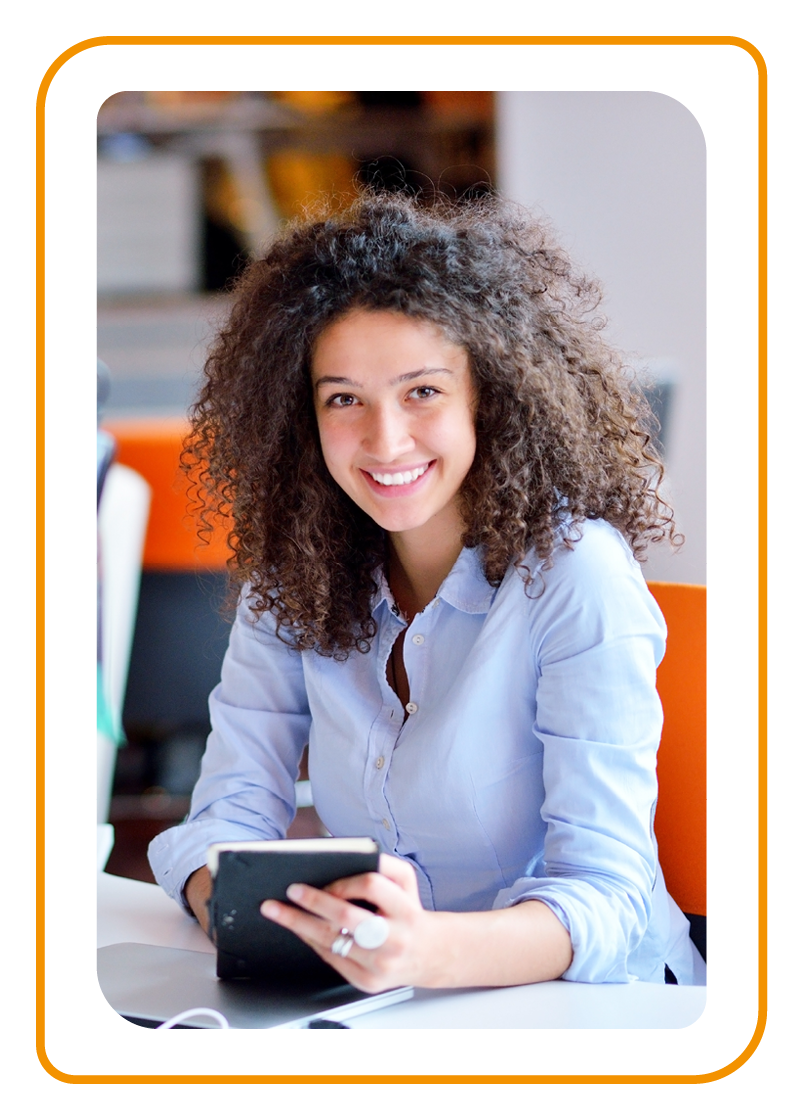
(525, 768)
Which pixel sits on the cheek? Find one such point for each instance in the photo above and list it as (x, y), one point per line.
(460, 437)
(336, 446)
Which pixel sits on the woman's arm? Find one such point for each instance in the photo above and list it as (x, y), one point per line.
(197, 892)
(597, 638)
(521, 945)
(246, 789)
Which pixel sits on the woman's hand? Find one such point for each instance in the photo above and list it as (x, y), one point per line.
(523, 944)
(409, 954)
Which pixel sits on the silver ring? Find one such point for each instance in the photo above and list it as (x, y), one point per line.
(341, 946)
(372, 932)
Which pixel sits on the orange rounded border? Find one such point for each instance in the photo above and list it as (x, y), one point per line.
(413, 40)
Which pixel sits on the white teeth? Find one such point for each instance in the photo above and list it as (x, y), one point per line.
(399, 479)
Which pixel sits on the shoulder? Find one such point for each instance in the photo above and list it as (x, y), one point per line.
(585, 558)
(252, 625)
(591, 555)
(592, 586)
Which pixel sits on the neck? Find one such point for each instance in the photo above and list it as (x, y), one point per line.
(419, 560)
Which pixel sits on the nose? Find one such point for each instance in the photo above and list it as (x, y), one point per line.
(386, 436)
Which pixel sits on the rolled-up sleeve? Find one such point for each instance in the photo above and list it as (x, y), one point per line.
(260, 724)
(598, 637)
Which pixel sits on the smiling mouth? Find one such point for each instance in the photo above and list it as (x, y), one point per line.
(399, 478)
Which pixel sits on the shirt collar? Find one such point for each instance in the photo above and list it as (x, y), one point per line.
(383, 593)
(465, 587)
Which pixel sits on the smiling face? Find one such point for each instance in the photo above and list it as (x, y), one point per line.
(394, 401)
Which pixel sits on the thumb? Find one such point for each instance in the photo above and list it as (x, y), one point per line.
(398, 871)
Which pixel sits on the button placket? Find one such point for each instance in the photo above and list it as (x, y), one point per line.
(385, 729)
(379, 773)
(417, 669)
(417, 648)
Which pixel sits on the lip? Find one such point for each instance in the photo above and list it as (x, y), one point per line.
(404, 488)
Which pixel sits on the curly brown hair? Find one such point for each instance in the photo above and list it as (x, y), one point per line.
(564, 432)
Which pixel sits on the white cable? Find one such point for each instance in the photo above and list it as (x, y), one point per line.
(221, 1020)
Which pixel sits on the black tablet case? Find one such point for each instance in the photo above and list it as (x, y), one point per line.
(250, 946)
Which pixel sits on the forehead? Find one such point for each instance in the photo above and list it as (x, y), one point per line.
(372, 342)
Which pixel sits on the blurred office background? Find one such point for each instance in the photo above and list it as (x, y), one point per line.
(191, 184)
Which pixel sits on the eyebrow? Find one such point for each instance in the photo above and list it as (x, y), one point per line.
(426, 372)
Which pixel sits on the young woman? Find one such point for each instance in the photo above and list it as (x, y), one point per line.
(441, 481)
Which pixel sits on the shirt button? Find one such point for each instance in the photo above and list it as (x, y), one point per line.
(412, 707)
(380, 762)
(386, 823)
(418, 639)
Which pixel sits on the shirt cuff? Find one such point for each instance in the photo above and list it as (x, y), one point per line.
(177, 852)
(604, 925)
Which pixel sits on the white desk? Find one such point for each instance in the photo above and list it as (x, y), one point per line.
(132, 911)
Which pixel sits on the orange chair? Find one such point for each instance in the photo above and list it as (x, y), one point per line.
(179, 635)
(680, 814)
(152, 448)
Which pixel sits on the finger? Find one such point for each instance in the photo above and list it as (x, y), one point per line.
(317, 932)
(322, 908)
(388, 897)
(398, 871)
(319, 935)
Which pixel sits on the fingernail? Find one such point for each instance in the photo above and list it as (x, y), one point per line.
(269, 910)
(295, 892)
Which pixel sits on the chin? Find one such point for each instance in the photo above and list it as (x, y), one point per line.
(395, 524)
(395, 521)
